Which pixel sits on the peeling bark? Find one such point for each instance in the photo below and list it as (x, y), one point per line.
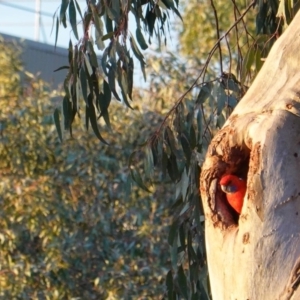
(256, 255)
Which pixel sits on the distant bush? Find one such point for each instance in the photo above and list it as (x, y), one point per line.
(72, 223)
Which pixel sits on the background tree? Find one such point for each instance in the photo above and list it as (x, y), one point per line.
(72, 222)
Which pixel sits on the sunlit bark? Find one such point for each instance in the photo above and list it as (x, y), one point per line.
(257, 255)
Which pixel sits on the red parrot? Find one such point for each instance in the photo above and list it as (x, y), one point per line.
(235, 189)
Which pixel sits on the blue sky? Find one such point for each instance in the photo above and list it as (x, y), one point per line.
(18, 19)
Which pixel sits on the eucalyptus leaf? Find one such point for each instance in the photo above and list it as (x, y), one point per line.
(63, 9)
(111, 82)
(72, 16)
(83, 81)
(93, 119)
(57, 123)
(138, 179)
(182, 282)
(140, 38)
(78, 9)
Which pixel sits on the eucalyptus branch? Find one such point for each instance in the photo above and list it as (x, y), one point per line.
(202, 73)
(218, 34)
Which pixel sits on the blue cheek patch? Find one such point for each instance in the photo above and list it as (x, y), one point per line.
(231, 189)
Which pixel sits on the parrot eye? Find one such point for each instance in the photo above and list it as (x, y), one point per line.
(231, 188)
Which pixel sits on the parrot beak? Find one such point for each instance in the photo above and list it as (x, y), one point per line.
(228, 189)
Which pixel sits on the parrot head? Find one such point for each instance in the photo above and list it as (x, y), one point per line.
(235, 189)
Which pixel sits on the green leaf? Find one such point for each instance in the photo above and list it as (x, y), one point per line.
(56, 31)
(162, 5)
(149, 162)
(99, 27)
(258, 61)
(169, 136)
(150, 19)
(247, 63)
(116, 9)
(138, 55)
(130, 76)
(87, 117)
(99, 41)
(93, 119)
(78, 9)
(87, 21)
(232, 101)
(221, 101)
(192, 255)
(75, 65)
(197, 211)
(177, 13)
(135, 49)
(70, 53)
(138, 179)
(173, 232)
(170, 5)
(111, 82)
(174, 254)
(199, 126)
(64, 21)
(173, 168)
(186, 148)
(63, 9)
(169, 280)
(122, 80)
(61, 68)
(107, 36)
(77, 87)
(204, 93)
(185, 208)
(108, 24)
(182, 282)
(261, 17)
(112, 13)
(230, 82)
(104, 61)
(67, 112)
(93, 56)
(87, 64)
(164, 163)
(104, 100)
(83, 81)
(182, 236)
(106, 97)
(170, 285)
(193, 138)
(72, 17)
(220, 121)
(178, 121)
(57, 123)
(106, 118)
(140, 39)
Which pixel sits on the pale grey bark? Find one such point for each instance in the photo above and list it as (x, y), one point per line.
(257, 256)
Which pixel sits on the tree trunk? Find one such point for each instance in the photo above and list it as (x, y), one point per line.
(256, 256)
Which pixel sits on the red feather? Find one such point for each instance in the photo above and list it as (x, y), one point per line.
(235, 189)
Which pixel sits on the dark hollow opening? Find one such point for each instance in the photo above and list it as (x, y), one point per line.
(240, 170)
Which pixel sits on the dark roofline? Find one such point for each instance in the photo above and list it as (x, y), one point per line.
(36, 45)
